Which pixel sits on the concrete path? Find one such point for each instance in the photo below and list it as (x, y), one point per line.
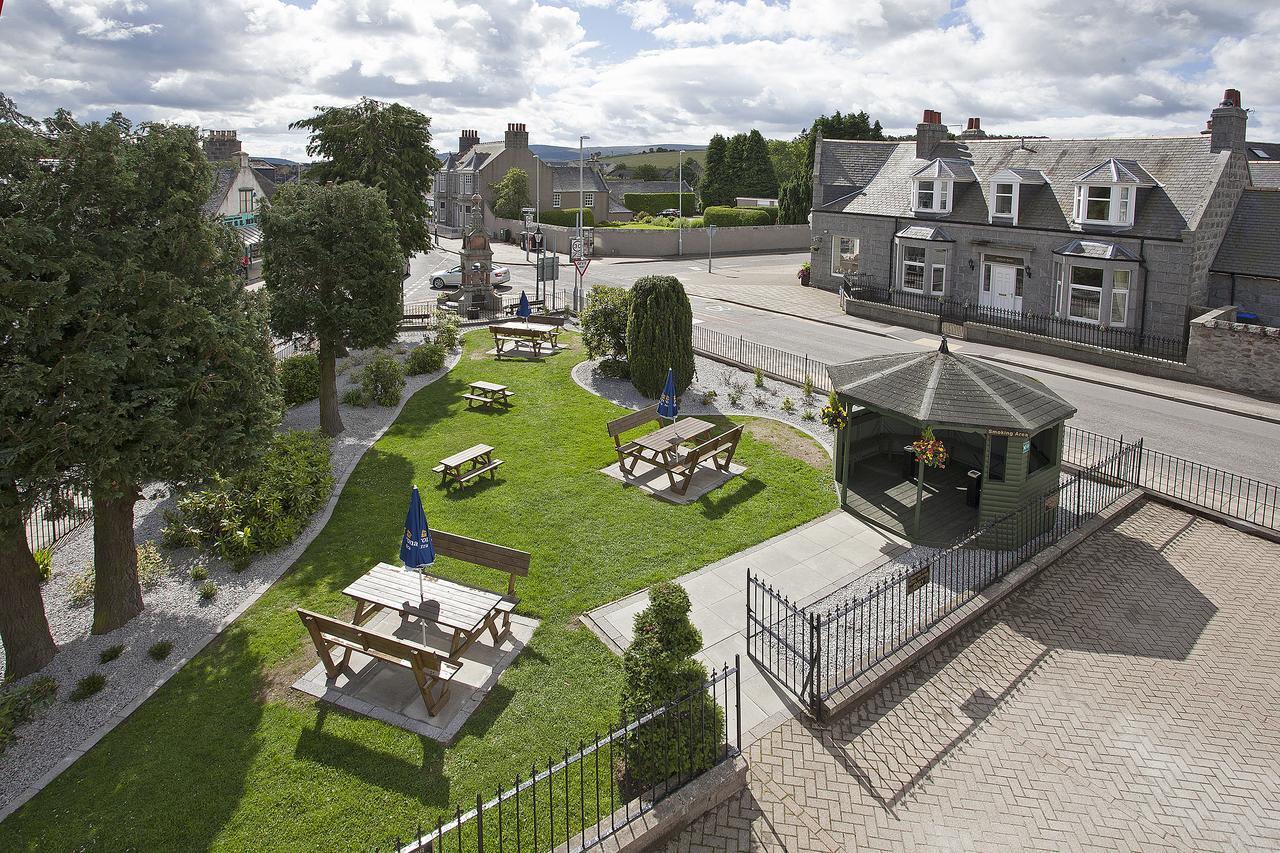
(806, 562)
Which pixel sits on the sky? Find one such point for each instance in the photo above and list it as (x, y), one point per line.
(648, 71)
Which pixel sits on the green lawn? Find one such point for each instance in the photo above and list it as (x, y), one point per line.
(661, 159)
(226, 756)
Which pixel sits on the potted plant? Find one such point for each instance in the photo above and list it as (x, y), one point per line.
(930, 450)
(803, 274)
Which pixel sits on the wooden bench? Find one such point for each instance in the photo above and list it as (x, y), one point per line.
(536, 334)
(629, 452)
(510, 310)
(432, 674)
(719, 451)
(479, 457)
(500, 558)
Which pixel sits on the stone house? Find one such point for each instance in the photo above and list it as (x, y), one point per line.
(1113, 233)
(238, 195)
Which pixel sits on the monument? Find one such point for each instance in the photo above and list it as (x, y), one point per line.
(475, 294)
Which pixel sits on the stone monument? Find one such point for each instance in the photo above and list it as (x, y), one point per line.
(476, 293)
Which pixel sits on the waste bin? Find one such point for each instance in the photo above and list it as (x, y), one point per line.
(975, 488)
(909, 463)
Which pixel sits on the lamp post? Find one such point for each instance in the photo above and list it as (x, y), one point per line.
(577, 276)
(679, 203)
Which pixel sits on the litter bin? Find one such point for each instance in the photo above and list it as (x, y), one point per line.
(909, 463)
(975, 488)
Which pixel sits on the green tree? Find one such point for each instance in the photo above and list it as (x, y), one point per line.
(795, 200)
(659, 334)
(169, 374)
(511, 194)
(735, 166)
(716, 187)
(788, 158)
(333, 270)
(648, 172)
(604, 322)
(384, 146)
(756, 178)
(658, 667)
(852, 126)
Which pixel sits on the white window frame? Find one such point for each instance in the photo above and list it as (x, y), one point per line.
(468, 182)
(838, 254)
(555, 199)
(996, 195)
(1072, 287)
(1058, 271)
(940, 192)
(937, 286)
(1120, 204)
(915, 265)
(591, 199)
(1117, 290)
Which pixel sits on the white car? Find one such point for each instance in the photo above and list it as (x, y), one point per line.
(452, 277)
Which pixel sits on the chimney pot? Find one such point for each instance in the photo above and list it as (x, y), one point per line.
(1231, 98)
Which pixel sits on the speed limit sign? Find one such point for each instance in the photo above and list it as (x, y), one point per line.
(575, 247)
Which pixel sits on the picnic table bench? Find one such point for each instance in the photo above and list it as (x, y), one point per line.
(535, 334)
(467, 465)
(487, 394)
(661, 448)
(510, 310)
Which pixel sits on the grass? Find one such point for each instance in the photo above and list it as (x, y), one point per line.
(661, 159)
(226, 756)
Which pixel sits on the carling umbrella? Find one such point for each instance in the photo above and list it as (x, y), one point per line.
(416, 549)
(667, 407)
(523, 310)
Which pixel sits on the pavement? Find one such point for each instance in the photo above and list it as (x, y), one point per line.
(1123, 699)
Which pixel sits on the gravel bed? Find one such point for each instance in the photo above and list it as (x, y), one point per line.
(725, 381)
(174, 611)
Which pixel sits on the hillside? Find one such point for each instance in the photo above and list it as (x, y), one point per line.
(663, 159)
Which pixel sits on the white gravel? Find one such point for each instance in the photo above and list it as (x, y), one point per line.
(174, 611)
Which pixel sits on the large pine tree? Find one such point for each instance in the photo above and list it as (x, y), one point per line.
(716, 187)
(756, 178)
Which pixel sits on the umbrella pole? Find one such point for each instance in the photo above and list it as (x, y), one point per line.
(421, 621)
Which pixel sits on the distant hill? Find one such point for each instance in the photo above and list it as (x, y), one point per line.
(661, 159)
(607, 152)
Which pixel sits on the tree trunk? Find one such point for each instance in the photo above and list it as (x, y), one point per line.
(117, 597)
(24, 630)
(330, 418)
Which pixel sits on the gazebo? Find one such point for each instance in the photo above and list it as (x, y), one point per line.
(1002, 431)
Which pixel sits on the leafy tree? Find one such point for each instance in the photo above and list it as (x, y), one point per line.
(788, 158)
(385, 146)
(648, 172)
(852, 126)
(333, 270)
(795, 200)
(168, 373)
(756, 178)
(716, 187)
(659, 334)
(604, 322)
(511, 194)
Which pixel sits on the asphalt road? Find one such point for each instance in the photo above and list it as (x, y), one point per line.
(1235, 443)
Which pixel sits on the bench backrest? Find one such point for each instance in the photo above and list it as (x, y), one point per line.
(512, 332)
(478, 553)
(618, 426)
(387, 646)
(714, 446)
(548, 319)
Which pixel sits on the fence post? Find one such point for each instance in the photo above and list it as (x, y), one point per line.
(479, 824)
(815, 664)
(1137, 474)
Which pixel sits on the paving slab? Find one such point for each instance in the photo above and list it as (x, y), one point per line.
(655, 481)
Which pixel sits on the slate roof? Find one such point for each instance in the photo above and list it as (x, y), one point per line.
(1262, 150)
(1264, 174)
(1251, 246)
(875, 178)
(1113, 171)
(942, 389)
(564, 179)
(477, 155)
(925, 232)
(1099, 249)
(222, 180)
(956, 170)
(618, 188)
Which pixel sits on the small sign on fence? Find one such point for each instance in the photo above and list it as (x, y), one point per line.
(918, 580)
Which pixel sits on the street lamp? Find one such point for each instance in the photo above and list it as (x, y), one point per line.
(680, 203)
(581, 199)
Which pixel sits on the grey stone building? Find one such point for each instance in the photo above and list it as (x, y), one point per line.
(1116, 233)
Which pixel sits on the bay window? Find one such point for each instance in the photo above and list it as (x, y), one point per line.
(913, 268)
(1085, 302)
(844, 255)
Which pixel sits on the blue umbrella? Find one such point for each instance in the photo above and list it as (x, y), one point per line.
(416, 549)
(524, 310)
(667, 407)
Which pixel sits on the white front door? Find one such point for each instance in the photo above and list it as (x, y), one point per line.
(999, 288)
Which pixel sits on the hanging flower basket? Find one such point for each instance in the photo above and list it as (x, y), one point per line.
(833, 414)
(930, 450)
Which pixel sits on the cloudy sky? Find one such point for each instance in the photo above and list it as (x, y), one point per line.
(648, 71)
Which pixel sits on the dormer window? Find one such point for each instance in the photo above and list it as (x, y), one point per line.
(1006, 193)
(1004, 200)
(932, 197)
(933, 187)
(1107, 194)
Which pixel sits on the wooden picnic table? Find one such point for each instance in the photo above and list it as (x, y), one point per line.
(537, 334)
(665, 441)
(467, 465)
(487, 394)
(463, 610)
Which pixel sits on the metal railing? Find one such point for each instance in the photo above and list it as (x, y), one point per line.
(56, 516)
(816, 650)
(580, 800)
(553, 300)
(779, 364)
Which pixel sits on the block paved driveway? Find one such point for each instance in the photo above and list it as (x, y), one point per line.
(1127, 698)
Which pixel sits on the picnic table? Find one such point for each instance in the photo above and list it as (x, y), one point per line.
(468, 464)
(664, 442)
(465, 611)
(516, 333)
(661, 448)
(487, 394)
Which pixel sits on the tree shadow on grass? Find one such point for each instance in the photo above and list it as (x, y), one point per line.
(719, 502)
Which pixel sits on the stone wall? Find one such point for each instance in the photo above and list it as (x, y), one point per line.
(1260, 296)
(665, 243)
(1235, 356)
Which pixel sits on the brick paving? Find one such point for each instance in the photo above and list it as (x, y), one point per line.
(1127, 698)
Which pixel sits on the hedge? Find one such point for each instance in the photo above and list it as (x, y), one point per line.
(655, 203)
(568, 217)
(733, 217)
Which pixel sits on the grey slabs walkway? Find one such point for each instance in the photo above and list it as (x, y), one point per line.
(655, 481)
(807, 562)
(390, 693)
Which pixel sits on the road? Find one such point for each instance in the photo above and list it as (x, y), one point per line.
(1233, 442)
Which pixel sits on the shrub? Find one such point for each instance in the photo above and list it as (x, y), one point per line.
(567, 217)
(759, 400)
(87, 686)
(425, 358)
(737, 217)
(659, 334)
(759, 377)
(20, 704)
(448, 331)
(708, 397)
(735, 398)
(80, 588)
(207, 590)
(299, 378)
(655, 202)
(604, 322)
(787, 405)
(355, 396)
(382, 380)
(199, 572)
(808, 415)
(152, 565)
(44, 563)
(110, 653)
(159, 651)
(808, 387)
(659, 667)
(262, 507)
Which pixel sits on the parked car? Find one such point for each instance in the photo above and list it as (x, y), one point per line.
(452, 277)
(670, 211)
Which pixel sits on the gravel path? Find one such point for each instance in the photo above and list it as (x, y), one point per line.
(174, 611)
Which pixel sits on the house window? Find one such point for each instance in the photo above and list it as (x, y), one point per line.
(913, 268)
(844, 256)
(924, 195)
(1057, 288)
(555, 199)
(932, 196)
(1120, 297)
(1004, 200)
(1043, 448)
(1104, 204)
(1086, 294)
(1124, 204)
(999, 456)
(938, 279)
(467, 182)
(591, 199)
(246, 200)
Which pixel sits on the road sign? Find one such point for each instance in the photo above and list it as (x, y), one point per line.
(711, 229)
(575, 247)
(549, 268)
(582, 264)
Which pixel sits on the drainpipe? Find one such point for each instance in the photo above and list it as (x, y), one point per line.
(892, 240)
(1142, 262)
(1232, 300)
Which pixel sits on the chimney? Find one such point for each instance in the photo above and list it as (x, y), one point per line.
(974, 130)
(467, 140)
(929, 132)
(1227, 123)
(517, 136)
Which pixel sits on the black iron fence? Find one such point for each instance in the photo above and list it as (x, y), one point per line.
(749, 355)
(56, 516)
(588, 794)
(819, 649)
(1044, 325)
(549, 300)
